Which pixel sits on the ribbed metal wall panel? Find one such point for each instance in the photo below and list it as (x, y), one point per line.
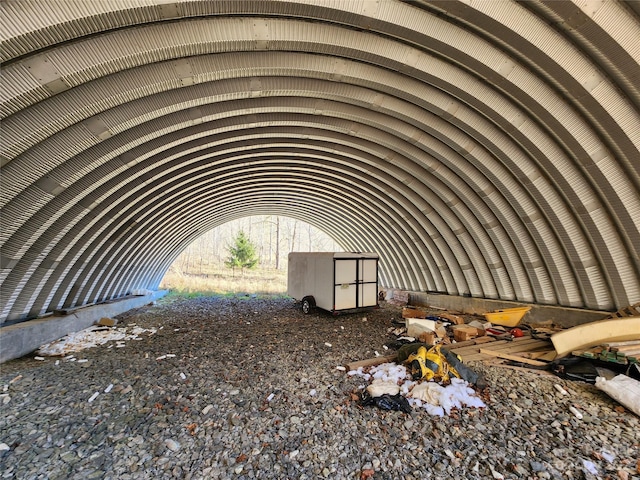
(616, 21)
(516, 126)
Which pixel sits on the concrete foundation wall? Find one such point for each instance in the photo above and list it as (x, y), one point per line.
(23, 338)
(562, 316)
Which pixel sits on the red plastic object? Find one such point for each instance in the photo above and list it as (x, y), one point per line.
(516, 332)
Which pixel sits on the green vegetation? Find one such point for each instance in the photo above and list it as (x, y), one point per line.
(202, 269)
(242, 254)
(219, 281)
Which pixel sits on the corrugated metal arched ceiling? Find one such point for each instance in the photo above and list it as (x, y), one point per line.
(483, 148)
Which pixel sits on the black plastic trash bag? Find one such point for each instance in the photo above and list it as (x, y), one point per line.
(386, 402)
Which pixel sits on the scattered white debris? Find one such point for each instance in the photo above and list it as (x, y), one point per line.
(438, 400)
(91, 337)
(385, 347)
(608, 456)
(270, 397)
(57, 363)
(38, 358)
(341, 368)
(93, 397)
(294, 453)
(431, 396)
(561, 390)
(172, 445)
(360, 372)
(312, 392)
(408, 339)
(4, 447)
(207, 409)
(341, 327)
(590, 466)
(389, 372)
(429, 392)
(376, 354)
(16, 379)
(497, 475)
(576, 412)
(380, 387)
(108, 389)
(161, 357)
(171, 355)
(183, 376)
(83, 360)
(328, 344)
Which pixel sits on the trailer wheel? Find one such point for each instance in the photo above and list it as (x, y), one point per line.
(307, 305)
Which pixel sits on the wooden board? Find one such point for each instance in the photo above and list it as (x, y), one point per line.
(469, 343)
(518, 345)
(622, 344)
(549, 357)
(475, 348)
(515, 358)
(596, 333)
(628, 353)
(626, 348)
(524, 347)
(542, 354)
(371, 362)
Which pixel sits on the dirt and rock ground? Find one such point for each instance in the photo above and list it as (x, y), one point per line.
(247, 387)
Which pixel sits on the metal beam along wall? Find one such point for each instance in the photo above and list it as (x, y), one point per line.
(486, 149)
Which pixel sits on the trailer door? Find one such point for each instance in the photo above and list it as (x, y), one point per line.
(345, 291)
(356, 283)
(368, 282)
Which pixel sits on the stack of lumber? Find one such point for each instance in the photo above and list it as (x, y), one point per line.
(616, 352)
(525, 350)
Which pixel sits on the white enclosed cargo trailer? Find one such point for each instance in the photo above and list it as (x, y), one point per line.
(333, 281)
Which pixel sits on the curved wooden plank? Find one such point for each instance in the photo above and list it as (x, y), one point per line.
(596, 333)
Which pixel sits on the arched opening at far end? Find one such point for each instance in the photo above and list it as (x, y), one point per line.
(244, 256)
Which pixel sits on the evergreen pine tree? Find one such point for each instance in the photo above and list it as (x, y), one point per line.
(242, 254)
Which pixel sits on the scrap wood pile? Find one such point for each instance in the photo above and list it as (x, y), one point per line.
(617, 352)
(502, 338)
(499, 337)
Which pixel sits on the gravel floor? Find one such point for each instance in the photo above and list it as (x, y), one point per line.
(248, 388)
